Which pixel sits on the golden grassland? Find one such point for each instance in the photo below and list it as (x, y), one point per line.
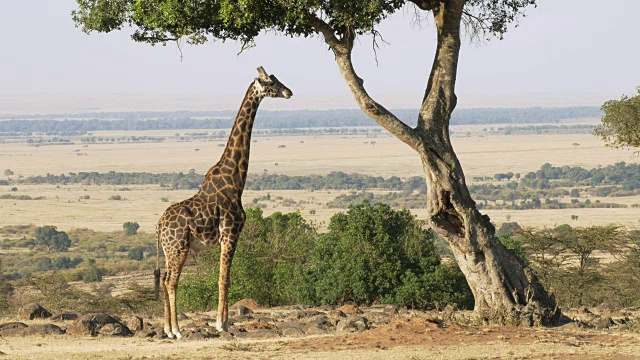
(65, 207)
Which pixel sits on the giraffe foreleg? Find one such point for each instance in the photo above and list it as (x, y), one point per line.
(175, 261)
(227, 249)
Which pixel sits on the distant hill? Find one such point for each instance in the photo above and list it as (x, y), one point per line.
(175, 120)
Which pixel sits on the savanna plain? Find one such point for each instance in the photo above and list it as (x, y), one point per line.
(91, 212)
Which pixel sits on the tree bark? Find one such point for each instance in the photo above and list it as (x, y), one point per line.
(504, 288)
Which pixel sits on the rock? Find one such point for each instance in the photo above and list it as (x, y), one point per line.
(390, 310)
(33, 311)
(12, 328)
(336, 314)
(226, 336)
(326, 307)
(99, 319)
(248, 303)
(182, 316)
(258, 334)
(243, 310)
(145, 333)
(292, 332)
(603, 323)
(240, 319)
(82, 328)
(350, 309)
(288, 325)
(64, 316)
(115, 329)
(195, 336)
(42, 329)
(301, 314)
(346, 325)
(313, 329)
(278, 314)
(320, 320)
(98, 323)
(135, 323)
(361, 323)
(584, 311)
(258, 325)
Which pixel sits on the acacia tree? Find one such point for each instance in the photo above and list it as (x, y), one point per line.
(503, 287)
(620, 125)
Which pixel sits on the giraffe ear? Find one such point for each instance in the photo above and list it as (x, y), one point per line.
(263, 74)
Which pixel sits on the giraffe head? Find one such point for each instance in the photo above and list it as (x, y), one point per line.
(270, 86)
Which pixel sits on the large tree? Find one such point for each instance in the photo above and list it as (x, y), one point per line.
(503, 287)
(620, 125)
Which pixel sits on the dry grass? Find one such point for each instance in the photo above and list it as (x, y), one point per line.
(480, 156)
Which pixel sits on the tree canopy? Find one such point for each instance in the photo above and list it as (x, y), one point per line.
(196, 22)
(53, 239)
(620, 126)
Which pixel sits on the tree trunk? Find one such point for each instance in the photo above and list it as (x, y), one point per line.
(505, 289)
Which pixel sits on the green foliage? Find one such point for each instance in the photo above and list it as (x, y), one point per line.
(620, 125)
(160, 21)
(566, 263)
(130, 228)
(44, 264)
(376, 254)
(6, 290)
(514, 245)
(268, 264)
(51, 238)
(64, 262)
(371, 254)
(508, 228)
(136, 253)
(92, 273)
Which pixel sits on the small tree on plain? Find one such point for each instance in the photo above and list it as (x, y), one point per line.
(53, 239)
(130, 228)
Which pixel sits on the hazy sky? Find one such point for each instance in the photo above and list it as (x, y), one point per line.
(565, 52)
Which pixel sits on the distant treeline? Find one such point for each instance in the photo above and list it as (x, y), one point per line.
(176, 120)
(620, 179)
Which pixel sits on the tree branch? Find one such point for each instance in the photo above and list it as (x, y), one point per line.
(342, 49)
(439, 98)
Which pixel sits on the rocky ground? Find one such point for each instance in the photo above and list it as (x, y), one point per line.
(300, 332)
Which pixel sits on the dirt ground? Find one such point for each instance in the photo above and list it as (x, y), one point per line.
(415, 338)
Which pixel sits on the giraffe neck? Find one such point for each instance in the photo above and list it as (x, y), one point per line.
(234, 163)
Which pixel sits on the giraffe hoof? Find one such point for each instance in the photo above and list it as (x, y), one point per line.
(178, 335)
(170, 335)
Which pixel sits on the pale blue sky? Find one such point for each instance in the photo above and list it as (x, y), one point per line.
(565, 52)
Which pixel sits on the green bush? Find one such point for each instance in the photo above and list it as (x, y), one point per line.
(130, 228)
(136, 254)
(53, 239)
(370, 254)
(268, 264)
(376, 254)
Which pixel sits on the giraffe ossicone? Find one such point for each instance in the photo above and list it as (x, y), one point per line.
(214, 215)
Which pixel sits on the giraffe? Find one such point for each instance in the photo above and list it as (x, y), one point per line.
(214, 215)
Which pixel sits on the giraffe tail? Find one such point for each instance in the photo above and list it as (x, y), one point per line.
(156, 283)
(156, 272)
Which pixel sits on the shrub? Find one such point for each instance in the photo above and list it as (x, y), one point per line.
(130, 228)
(268, 264)
(136, 253)
(53, 239)
(376, 254)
